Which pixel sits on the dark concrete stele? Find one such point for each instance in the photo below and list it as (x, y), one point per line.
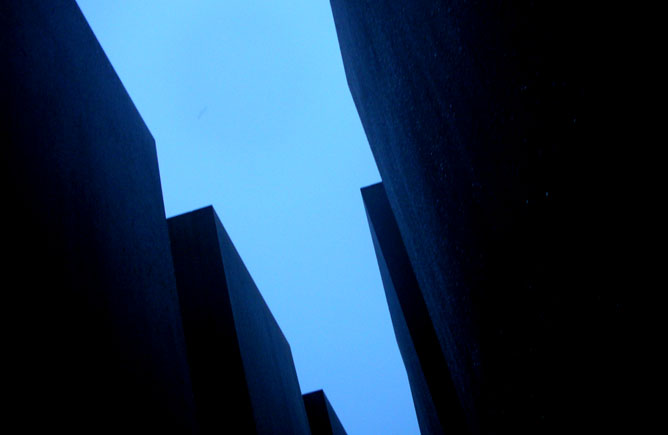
(241, 365)
(491, 126)
(435, 397)
(321, 415)
(92, 338)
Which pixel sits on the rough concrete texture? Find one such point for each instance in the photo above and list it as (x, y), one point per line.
(92, 330)
(489, 123)
(241, 364)
(434, 395)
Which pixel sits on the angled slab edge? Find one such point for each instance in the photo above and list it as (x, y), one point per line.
(321, 415)
(508, 203)
(434, 395)
(94, 337)
(216, 366)
(231, 333)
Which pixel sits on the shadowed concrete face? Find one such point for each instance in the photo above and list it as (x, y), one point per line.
(436, 403)
(241, 364)
(485, 123)
(321, 416)
(93, 331)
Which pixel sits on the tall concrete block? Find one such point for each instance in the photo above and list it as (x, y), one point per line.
(435, 397)
(321, 416)
(92, 330)
(241, 364)
(490, 124)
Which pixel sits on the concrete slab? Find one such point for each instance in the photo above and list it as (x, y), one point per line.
(242, 368)
(92, 330)
(321, 416)
(434, 394)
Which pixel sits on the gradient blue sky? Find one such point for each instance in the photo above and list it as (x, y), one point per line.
(250, 110)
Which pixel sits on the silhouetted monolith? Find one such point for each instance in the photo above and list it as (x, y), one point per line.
(491, 125)
(436, 403)
(321, 416)
(93, 340)
(241, 364)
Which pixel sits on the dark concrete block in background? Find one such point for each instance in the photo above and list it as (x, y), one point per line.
(91, 325)
(241, 364)
(491, 125)
(321, 415)
(435, 397)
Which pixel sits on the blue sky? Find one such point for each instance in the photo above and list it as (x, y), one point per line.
(248, 103)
